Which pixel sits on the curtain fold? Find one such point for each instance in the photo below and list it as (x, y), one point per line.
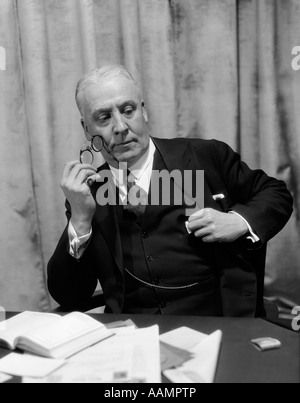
(269, 129)
(208, 68)
(22, 262)
(205, 48)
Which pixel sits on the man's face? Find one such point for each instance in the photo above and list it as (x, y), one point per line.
(114, 110)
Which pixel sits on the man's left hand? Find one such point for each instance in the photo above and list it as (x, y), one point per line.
(214, 226)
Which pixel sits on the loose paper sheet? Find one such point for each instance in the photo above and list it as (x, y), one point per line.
(172, 357)
(28, 365)
(205, 349)
(4, 378)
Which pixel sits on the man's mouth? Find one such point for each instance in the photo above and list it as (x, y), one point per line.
(124, 144)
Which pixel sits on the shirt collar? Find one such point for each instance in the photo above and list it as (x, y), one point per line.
(138, 168)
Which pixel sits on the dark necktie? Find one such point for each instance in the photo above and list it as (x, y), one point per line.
(136, 192)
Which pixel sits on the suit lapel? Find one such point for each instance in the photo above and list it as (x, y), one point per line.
(180, 156)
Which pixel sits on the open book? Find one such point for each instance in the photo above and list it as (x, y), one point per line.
(51, 335)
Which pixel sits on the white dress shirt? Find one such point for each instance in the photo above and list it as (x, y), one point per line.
(140, 173)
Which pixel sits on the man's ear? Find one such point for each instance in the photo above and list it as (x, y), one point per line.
(144, 110)
(85, 129)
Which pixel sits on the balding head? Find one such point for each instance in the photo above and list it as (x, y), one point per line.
(99, 75)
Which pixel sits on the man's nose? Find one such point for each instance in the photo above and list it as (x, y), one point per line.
(120, 125)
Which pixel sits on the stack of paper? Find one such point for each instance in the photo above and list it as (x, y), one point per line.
(132, 355)
(204, 349)
(129, 355)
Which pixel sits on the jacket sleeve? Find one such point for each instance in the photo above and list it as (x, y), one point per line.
(70, 281)
(263, 201)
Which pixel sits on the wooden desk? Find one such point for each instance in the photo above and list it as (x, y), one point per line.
(239, 361)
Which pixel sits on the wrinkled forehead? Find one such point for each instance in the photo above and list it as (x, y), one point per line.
(109, 91)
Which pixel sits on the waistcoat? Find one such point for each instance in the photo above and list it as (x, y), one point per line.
(168, 271)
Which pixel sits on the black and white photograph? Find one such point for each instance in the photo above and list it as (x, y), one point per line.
(149, 194)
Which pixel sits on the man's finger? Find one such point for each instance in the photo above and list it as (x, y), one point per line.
(91, 179)
(197, 215)
(201, 233)
(73, 167)
(208, 239)
(69, 167)
(195, 225)
(83, 175)
(79, 168)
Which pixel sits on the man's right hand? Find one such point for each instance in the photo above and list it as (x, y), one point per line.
(78, 193)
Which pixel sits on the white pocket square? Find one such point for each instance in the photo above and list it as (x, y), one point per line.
(219, 196)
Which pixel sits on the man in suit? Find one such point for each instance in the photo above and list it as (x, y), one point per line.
(156, 259)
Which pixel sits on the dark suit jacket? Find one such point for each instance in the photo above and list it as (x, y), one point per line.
(263, 201)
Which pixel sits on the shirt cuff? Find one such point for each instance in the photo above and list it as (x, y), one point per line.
(77, 244)
(252, 236)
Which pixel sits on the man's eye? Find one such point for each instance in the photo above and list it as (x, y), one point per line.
(128, 111)
(103, 118)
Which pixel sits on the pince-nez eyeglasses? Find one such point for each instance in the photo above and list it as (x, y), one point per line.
(87, 150)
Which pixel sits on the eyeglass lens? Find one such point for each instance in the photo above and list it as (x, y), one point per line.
(86, 157)
(97, 143)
